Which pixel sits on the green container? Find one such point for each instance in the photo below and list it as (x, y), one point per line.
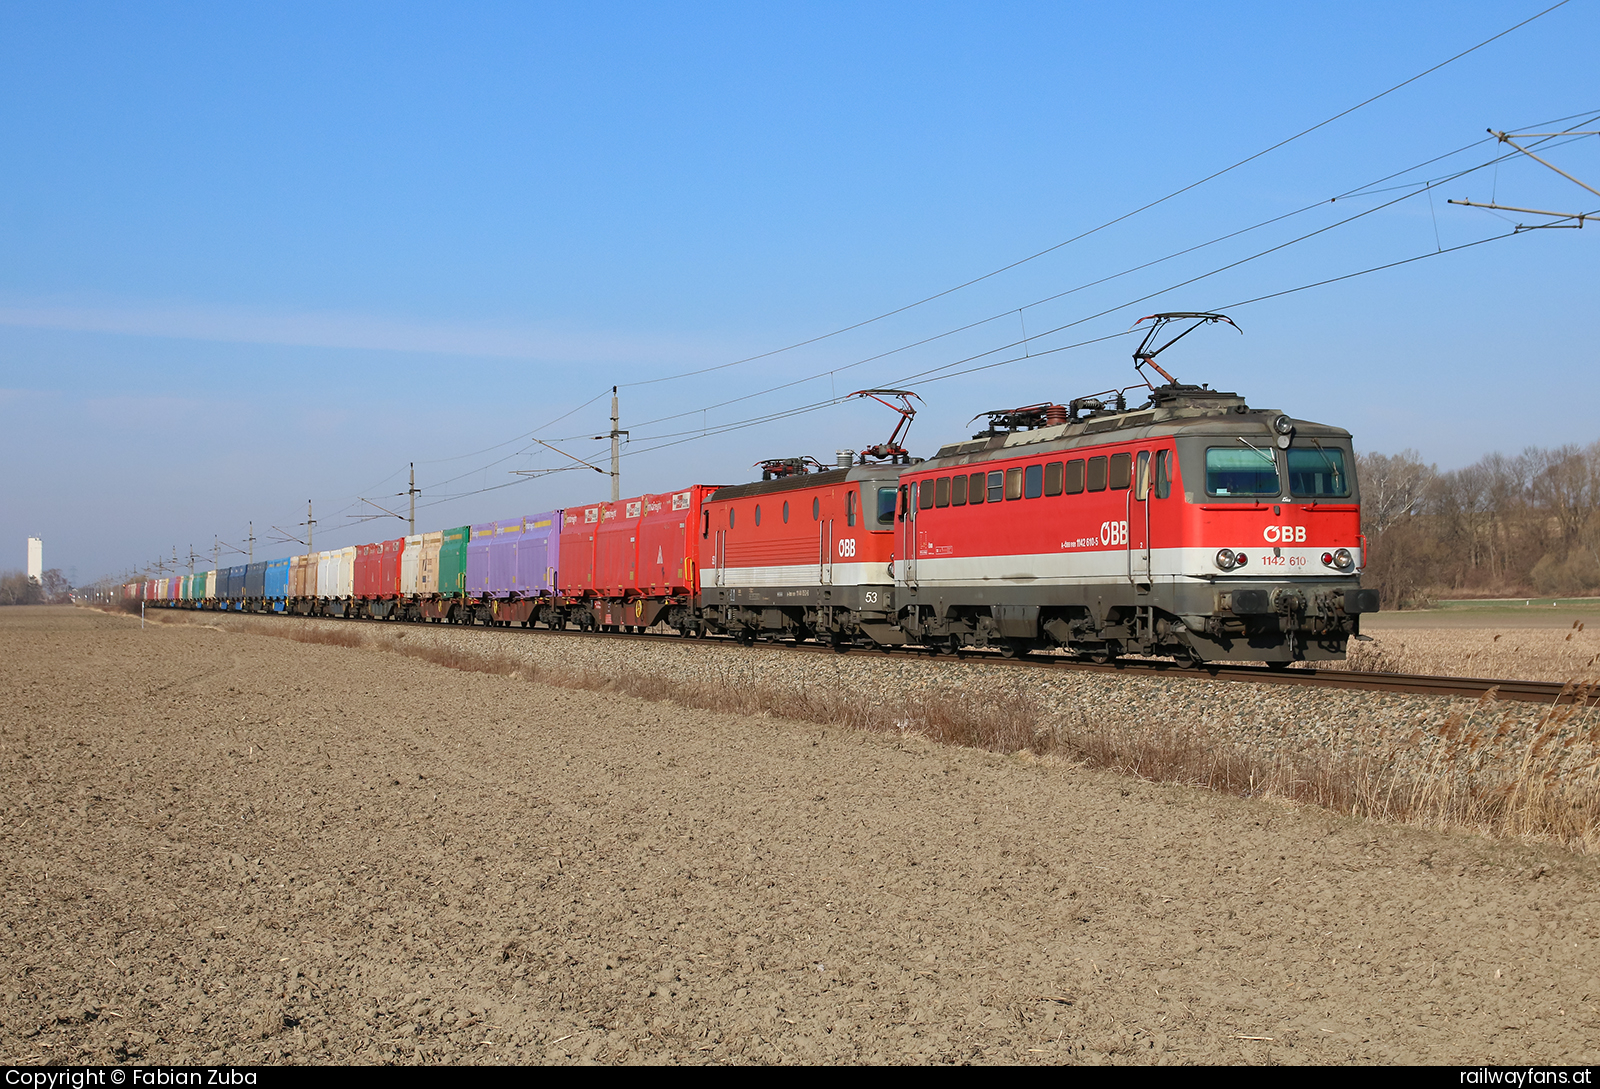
(453, 561)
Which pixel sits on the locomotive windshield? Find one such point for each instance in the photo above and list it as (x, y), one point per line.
(886, 502)
(1317, 472)
(1240, 471)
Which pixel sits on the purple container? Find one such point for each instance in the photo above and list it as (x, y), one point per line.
(477, 581)
(503, 558)
(538, 554)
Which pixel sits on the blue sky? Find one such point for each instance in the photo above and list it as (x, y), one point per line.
(256, 256)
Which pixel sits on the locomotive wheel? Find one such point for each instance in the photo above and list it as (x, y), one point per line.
(1278, 667)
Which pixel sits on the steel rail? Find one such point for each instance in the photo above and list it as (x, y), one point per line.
(1412, 684)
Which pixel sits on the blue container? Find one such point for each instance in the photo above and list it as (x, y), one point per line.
(234, 591)
(276, 582)
(255, 581)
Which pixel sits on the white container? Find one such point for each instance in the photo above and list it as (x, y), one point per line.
(410, 562)
(327, 568)
(347, 573)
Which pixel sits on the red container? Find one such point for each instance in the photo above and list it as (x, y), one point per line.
(389, 568)
(642, 547)
(670, 541)
(369, 558)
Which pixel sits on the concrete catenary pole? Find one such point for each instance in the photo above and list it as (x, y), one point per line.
(616, 449)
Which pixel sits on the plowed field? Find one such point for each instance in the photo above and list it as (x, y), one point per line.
(223, 847)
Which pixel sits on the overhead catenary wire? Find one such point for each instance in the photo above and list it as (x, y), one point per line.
(1363, 190)
(930, 375)
(934, 375)
(1110, 222)
(927, 377)
(1359, 191)
(1426, 187)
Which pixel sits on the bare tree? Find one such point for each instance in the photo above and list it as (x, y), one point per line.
(55, 588)
(1565, 483)
(1392, 488)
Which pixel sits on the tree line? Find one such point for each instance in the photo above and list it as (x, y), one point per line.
(1502, 527)
(50, 588)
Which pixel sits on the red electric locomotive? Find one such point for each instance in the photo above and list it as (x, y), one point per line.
(801, 554)
(1193, 526)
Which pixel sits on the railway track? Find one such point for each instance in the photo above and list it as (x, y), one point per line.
(1548, 692)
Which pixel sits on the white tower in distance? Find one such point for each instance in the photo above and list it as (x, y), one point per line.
(35, 558)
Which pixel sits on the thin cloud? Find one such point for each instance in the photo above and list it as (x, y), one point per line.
(329, 329)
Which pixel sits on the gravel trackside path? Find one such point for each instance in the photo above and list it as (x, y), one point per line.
(225, 847)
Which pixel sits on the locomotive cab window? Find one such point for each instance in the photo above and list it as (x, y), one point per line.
(785, 512)
(1163, 478)
(1317, 472)
(1097, 474)
(705, 523)
(758, 514)
(816, 509)
(886, 506)
(850, 507)
(1241, 470)
(975, 493)
(958, 491)
(941, 492)
(997, 489)
(924, 495)
(1033, 481)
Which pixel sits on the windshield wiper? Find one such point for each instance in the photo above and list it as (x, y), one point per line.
(1265, 456)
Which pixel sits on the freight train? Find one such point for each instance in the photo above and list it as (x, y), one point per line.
(1192, 526)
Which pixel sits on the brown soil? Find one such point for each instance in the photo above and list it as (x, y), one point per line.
(223, 847)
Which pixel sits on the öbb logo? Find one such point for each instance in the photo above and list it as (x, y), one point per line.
(1285, 534)
(1113, 533)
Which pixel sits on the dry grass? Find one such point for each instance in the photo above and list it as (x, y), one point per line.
(1464, 783)
(1466, 775)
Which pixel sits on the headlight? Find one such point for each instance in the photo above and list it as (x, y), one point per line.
(1226, 559)
(1283, 425)
(1343, 560)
